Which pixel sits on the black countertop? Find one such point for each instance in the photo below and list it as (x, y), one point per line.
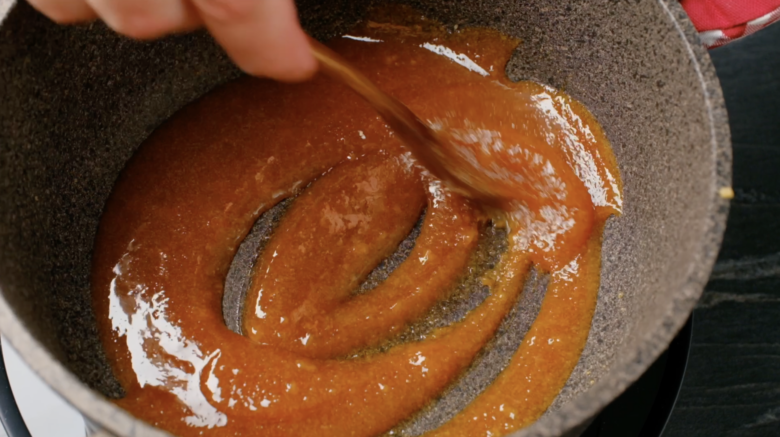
(732, 384)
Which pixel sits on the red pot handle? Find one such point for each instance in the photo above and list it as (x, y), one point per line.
(721, 21)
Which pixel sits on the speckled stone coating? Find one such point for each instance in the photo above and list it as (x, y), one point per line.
(75, 102)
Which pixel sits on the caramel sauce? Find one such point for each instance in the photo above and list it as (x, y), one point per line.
(192, 192)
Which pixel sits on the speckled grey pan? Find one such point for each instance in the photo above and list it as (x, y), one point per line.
(76, 101)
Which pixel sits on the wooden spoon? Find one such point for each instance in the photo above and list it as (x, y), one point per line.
(424, 143)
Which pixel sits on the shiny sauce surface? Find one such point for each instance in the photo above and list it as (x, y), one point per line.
(192, 192)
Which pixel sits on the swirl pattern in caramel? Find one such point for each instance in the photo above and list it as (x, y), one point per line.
(195, 188)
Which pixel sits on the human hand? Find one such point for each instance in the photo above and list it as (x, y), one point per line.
(263, 37)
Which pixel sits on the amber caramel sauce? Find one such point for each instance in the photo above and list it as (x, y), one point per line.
(192, 192)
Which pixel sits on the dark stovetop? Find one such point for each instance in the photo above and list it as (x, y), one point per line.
(731, 386)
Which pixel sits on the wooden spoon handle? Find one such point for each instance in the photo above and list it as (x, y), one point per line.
(414, 133)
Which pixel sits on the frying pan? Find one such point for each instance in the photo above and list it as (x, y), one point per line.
(75, 102)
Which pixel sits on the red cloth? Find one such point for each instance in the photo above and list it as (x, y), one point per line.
(722, 21)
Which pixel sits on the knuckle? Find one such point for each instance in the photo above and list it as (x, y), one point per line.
(225, 10)
(276, 71)
(252, 68)
(141, 25)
